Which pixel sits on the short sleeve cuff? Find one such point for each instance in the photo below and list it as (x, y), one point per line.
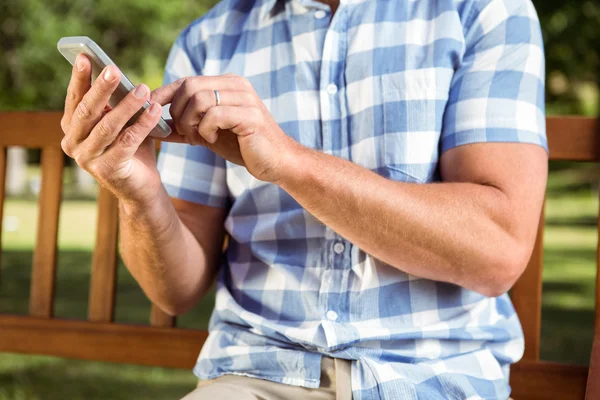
(492, 135)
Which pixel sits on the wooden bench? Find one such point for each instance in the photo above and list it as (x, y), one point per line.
(162, 344)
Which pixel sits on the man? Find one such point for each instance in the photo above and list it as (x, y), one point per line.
(379, 167)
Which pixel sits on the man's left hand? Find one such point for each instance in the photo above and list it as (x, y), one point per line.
(240, 129)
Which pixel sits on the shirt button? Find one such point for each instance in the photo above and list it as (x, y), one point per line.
(320, 14)
(332, 315)
(332, 88)
(339, 248)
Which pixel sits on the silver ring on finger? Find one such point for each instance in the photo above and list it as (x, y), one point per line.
(217, 97)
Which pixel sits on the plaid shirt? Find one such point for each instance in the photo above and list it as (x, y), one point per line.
(388, 85)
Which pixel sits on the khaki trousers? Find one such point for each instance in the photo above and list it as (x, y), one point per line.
(335, 385)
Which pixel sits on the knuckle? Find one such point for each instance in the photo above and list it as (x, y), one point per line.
(63, 124)
(95, 168)
(240, 81)
(84, 111)
(128, 138)
(81, 160)
(249, 98)
(255, 113)
(187, 87)
(246, 83)
(213, 113)
(65, 146)
(104, 128)
(198, 99)
(71, 95)
(173, 112)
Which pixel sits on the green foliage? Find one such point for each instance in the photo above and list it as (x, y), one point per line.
(571, 32)
(137, 34)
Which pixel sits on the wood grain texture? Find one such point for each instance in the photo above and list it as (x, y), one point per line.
(44, 259)
(541, 380)
(573, 138)
(164, 347)
(104, 261)
(593, 386)
(3, 158)
(31, 129)
(526, 296)
(161, 319)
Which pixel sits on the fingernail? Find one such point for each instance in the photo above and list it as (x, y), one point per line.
(140, 91)
(108, 75)
(80, 64)
(154, 109)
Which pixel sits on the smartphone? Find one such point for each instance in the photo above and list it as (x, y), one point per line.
(71, 47)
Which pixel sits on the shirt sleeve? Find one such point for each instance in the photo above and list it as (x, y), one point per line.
(497, 92)
(191, 173)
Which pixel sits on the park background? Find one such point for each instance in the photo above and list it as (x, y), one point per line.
(137, 34)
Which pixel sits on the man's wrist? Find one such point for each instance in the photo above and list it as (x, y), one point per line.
(295, 165)
(135, 207)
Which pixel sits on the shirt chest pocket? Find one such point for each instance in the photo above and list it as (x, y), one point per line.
(413, 107)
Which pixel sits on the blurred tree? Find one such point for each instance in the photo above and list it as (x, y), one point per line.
(572, 40)
(137, 34)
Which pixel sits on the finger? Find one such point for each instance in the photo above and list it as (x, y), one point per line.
(203, 100)
(90, 108)
(114, 121)
(240, 120)
(164, 95)
(130, 139)
(80, 83)
(174, 136)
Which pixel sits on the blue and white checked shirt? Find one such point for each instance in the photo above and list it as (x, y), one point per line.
(389, 85)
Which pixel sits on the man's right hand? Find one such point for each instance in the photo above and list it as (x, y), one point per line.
(121, 158)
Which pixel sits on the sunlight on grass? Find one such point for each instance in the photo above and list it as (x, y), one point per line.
(77, 225)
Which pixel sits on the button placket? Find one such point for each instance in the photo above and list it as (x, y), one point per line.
(338, 248)
(320, 14)
(331, 315)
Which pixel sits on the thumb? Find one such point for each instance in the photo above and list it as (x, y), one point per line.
(164, 95)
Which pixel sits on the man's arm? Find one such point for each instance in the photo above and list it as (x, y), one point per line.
(476, 229)
(172, 249)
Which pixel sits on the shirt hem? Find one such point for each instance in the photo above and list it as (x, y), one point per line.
(307, 383)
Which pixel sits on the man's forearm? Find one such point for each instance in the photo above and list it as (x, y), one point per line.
(163, 255)
(453, 232)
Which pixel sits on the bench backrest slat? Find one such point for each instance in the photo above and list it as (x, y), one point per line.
(101, 304)
(30, 129)
(43, 273)
(573, 138)
(593, 383)
(3, 157)
(526, 296)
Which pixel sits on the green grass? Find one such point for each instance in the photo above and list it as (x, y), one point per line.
(567, 316)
